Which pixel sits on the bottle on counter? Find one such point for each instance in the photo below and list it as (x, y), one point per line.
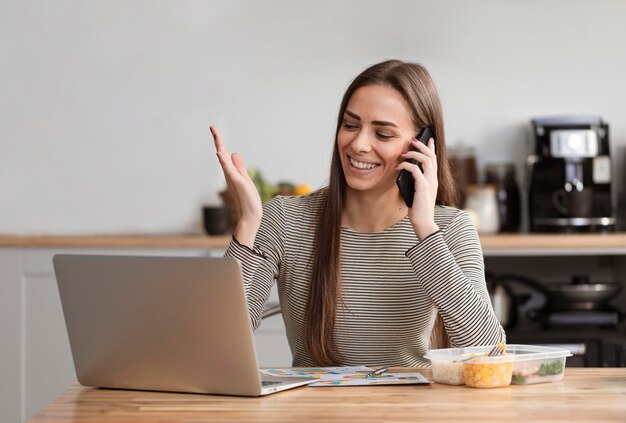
(502, 176)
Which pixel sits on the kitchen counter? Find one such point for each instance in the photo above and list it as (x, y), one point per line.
(527, 244)
(583, 395)
(115, 241)
(493, 245)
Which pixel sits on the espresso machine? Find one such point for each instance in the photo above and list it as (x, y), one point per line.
(570, 175)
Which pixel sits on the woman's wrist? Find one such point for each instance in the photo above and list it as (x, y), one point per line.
(246, 230)
(425, 229)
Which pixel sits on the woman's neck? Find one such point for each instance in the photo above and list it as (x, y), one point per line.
(372, 212)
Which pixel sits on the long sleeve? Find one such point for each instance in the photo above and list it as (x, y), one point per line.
(449, 266)
(260, 266)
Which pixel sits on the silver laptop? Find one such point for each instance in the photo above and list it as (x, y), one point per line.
(161, 323)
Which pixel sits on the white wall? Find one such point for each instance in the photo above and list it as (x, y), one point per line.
(104, 106)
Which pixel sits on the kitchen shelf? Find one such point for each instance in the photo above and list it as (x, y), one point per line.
(493, 245)
(116, 241)
(554, 244)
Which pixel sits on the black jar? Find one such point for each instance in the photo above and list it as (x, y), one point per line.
(502, 175)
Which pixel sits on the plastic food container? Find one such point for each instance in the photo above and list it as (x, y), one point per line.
(448, 366)
(489, 372)
(521, 365)
(537, 364)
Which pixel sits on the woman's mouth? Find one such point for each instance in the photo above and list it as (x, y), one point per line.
(362, 166)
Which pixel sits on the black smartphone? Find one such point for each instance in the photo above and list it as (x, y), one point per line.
(405, 180)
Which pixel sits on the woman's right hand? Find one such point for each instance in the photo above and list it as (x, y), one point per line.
(242, 188)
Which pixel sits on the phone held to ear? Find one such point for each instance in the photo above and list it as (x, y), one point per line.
(405, 180)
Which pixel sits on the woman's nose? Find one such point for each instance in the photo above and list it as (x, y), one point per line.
(362, 143)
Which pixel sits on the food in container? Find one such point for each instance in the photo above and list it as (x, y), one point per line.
(521, 365)
(448, 372)
(486, 372)
(447, 367)
(447, 364)
(537, 364)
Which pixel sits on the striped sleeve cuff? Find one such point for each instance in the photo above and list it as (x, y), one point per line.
(249, 259)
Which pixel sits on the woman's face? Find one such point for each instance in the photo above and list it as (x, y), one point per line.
(376, 128)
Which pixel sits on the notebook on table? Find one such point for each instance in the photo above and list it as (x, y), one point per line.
(177, 324)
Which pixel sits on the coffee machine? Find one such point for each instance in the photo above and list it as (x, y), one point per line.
(570, 175)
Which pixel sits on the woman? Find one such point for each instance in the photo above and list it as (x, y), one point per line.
(362, 277)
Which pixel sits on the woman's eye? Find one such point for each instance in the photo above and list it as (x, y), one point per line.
(384, 137)
(349, 126)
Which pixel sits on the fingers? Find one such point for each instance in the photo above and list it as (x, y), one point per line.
(226, 160)
(424, 155)
(244, 192)
(227, 163)
(239, 164)
(217, 139)
(411, 168)
(428, 150)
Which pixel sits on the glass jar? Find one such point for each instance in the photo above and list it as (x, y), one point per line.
(482, 206)
(502, 176)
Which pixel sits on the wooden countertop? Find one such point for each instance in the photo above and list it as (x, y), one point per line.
(116, 241)
(583, 395)
(502, 244)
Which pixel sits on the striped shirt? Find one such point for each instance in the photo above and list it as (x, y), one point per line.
(392, 284)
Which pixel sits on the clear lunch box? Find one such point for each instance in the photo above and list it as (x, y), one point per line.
(537, 364)
(521, 365)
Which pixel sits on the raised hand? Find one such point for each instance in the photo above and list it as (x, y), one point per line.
(242, 188)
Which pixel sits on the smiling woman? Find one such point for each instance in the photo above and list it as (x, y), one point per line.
(361, 276)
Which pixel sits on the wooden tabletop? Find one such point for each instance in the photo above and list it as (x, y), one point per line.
(583, 395)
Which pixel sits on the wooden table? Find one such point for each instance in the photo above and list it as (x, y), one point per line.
(584, 395)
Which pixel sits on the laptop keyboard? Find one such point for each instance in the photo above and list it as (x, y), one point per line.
(270, 382)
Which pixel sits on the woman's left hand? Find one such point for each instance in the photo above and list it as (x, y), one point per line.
(422, 214)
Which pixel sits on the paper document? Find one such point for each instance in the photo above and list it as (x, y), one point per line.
(347, 376)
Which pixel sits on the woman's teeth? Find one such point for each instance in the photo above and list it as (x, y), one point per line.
(361, 165)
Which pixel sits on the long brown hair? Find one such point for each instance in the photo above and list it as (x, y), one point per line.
(414, 83)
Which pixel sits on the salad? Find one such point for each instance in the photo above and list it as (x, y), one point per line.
(538, 371)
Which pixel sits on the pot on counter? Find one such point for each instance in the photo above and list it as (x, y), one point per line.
(581, 294)
(577, 294)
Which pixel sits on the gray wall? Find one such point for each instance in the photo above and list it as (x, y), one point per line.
(105, 105)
